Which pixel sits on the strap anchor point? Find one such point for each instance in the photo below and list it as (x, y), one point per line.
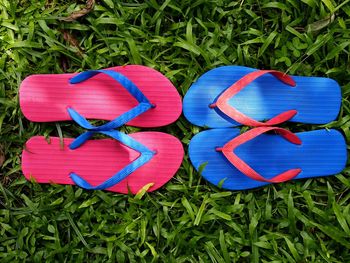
(218, 149)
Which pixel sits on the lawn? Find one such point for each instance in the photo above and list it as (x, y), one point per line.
(187, 220)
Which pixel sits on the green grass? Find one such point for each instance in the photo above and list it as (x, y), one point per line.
(188, 220)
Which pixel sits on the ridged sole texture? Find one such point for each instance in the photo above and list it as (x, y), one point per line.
(98, 160)
(322, 153)
(46, 97)
(316, 99)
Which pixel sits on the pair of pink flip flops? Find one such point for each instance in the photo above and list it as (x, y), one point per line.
(128, 95)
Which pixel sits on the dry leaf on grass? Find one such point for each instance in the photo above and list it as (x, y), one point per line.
(2, 156)
(64, 63)
(72, 41)
(318, 25)
(82, 12)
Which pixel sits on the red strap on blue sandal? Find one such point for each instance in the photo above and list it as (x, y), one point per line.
(222, 101)
(228, 151)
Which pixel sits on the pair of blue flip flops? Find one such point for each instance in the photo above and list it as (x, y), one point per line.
(230, 96)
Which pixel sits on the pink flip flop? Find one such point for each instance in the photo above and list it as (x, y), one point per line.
(141, 158)
(147, 96)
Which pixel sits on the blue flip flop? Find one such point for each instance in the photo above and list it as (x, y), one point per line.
(229, 96)
(254, 159)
